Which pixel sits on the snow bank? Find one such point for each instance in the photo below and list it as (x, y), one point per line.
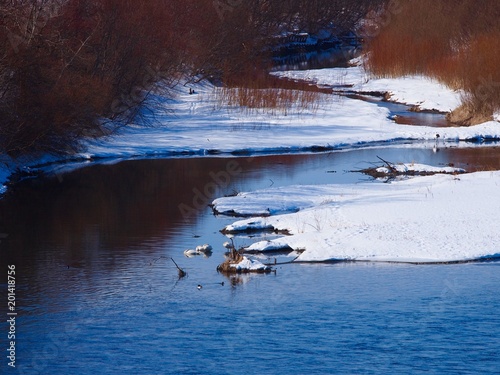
(271, 202)
(418, 91)
(288, 199)
(419, 168)
(198, 124)
(439, 218)
(250, 265)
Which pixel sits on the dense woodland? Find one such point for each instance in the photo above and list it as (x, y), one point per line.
(74, 68)
(67, 65)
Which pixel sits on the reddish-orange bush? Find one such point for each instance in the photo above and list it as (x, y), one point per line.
(456, 42)
(66, 65)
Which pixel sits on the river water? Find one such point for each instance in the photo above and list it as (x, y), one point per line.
(97, 292)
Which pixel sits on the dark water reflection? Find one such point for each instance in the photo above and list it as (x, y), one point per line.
(130, 203)
(316, 59)
(92, 246)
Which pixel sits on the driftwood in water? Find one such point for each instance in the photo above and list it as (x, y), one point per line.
(182, 273)
(391, 171)
(389, 165)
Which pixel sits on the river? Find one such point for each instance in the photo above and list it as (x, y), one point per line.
(97, 292)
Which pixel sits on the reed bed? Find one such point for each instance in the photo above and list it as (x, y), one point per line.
(457, 43)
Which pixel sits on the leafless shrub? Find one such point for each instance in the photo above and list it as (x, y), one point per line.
(456, 42)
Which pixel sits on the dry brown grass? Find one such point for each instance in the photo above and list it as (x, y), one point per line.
(269, 94)
(457, 43)
(228, 265)
(273, 101)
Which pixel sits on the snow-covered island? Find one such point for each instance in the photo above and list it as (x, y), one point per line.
(439, 218)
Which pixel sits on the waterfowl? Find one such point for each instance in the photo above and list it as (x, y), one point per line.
(204, 249)
(190, 253)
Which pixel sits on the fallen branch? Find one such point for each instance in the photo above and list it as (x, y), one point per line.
(182, 273)
(389, 165)
(391, 171)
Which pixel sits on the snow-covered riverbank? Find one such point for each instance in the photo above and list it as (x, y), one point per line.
(198, 124)
(417, 91)
(441, 218)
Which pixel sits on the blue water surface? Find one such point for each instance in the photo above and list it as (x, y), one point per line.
(97, 292)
